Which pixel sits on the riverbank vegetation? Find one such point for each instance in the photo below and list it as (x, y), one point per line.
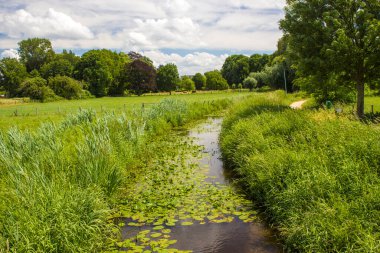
(314, 174)
(61, 183)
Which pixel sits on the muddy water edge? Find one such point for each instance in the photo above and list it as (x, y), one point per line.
(237, 233)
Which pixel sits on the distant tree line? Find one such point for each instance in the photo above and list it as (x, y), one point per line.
(42, 74)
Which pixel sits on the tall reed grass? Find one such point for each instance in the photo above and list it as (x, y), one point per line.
(59, 184)
(315, 176)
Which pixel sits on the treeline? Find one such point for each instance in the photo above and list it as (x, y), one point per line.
(44, 75)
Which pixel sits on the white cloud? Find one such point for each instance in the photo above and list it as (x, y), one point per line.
(9, 53)
(190, 63)
(148, 25)
(177, 7)
(52, 24)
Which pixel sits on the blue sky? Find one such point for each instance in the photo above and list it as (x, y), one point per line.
(197, 35)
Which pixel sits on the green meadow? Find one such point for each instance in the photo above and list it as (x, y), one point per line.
(31, 115)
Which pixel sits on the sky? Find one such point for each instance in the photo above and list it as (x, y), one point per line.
(196, 35)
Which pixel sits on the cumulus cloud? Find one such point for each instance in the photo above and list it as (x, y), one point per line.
(190, 63)
(52, 24)
(149, 26)
(9, 53)
(162, 33)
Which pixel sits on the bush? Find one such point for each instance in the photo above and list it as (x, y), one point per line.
(187, 84)
(66, 87)
(36, 88)
(250, 83)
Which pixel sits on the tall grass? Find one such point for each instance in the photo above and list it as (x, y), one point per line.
(59, 184)
(315, 176)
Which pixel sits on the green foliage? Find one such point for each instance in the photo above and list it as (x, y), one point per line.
(68, 56)
(199, 81)
(36, 88)
(187, 83)
(235, 69)
(103, 70)
(327, 90)
(250, 83)
(335, 40)
(257, 62)
(12, 74)
(215, 81)
(167, 77)
(54, 68)
(35, 52)
(65, 87)
(314, 175)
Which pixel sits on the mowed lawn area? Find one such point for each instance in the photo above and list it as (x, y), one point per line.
(375, 101)
(31, 115)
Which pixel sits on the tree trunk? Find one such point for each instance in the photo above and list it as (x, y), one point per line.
(360, 98)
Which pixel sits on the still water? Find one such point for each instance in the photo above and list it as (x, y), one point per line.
(233, 237)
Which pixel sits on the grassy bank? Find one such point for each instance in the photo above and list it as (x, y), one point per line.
(31, 115)
(315, 176)
(61, 183)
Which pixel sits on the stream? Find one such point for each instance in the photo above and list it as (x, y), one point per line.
(229, 237)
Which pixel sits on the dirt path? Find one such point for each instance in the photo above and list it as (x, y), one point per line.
(298, 104)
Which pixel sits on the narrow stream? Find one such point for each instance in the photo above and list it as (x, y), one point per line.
(234, 237)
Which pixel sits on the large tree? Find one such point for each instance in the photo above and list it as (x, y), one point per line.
(12, 74)
(141, 76)
(215, 81)
(167, 77)
(199, 81)
(102, 70)
(335, 40)
(235, 69)
(35, 52)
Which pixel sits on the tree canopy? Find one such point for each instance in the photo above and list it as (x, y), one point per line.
(35, 52)
(167, 77)
(12, 74)
(215, 81)
(335, 41)
(235, 69)
(199, 81)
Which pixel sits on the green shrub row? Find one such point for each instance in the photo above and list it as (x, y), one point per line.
(314, 176)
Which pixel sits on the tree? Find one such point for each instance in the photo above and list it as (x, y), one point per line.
(187, 83)
(215, 81)
(250, 83)
(65, 87)
(12, 74)
(235, 69)
(141, 76)
(60, 67)
(101, 69)
(35, 52)
(68, 56)
(167, 77)
(335, 40)
(257, 62)
(199, 81)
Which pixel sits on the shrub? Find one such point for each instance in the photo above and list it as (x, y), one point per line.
(250, 83)
(36, 88)
(66, 87)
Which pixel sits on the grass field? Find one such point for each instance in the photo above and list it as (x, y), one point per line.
(314, 174)
(61, 184)
(30, 115)
(375, 101)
